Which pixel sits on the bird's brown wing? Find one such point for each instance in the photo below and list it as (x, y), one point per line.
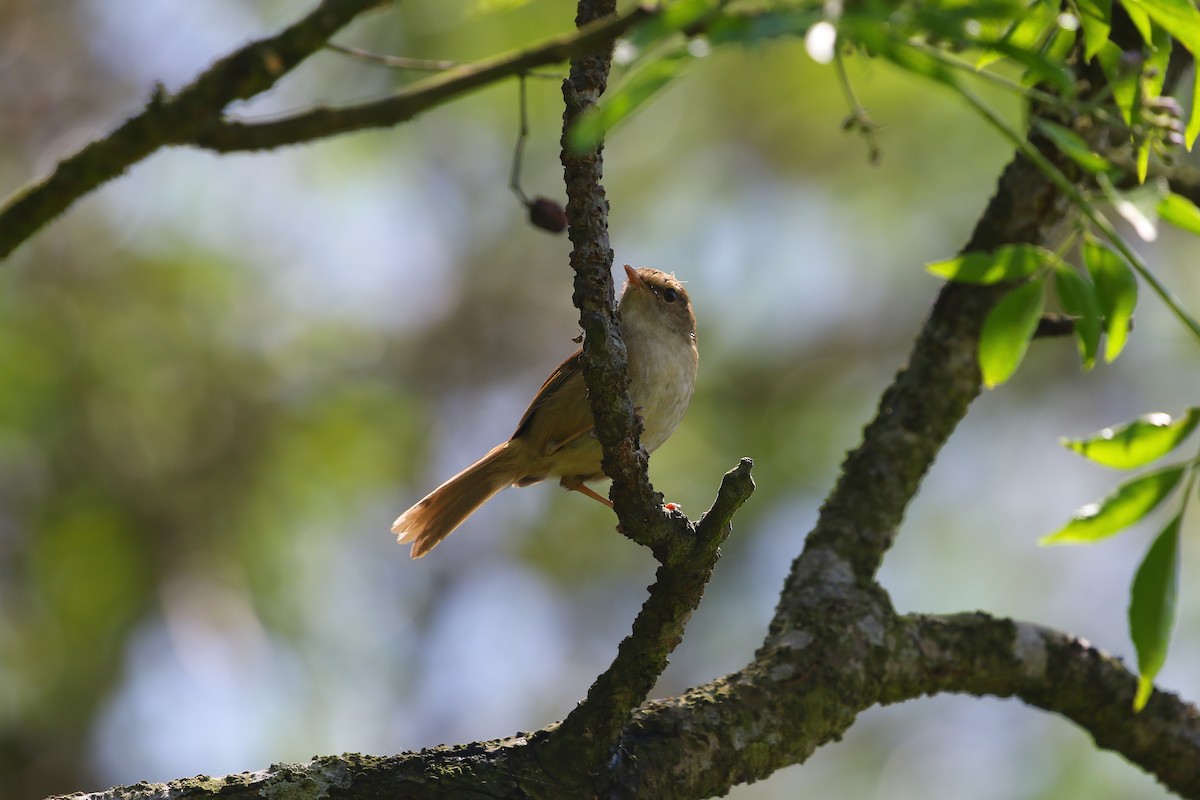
(559, 412)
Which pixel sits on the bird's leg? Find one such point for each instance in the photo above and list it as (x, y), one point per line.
(575, 484)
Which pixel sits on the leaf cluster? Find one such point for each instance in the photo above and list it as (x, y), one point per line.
(1155, 589)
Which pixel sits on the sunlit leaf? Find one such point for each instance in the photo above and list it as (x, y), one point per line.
(1007, 331)
(1143, 168)
(1155, 70)
(493, 6)
(1123, 79)
(1152, 604)
(1024, 41)
(1041, 67)
(1078, 298)
(1131, 501)
(673, 17)
(911, 59)
(1180, 212)
(751, 28)
(1010, 262)
(1030, 28)
(1193, 126)
(1154, 75)
(1096, 21)
(1116, 290)
(642, 84)
(1139, 18)
(1178, 17)
(1073, 146)
(1137, 443)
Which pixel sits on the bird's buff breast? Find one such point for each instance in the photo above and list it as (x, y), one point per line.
(662, 375)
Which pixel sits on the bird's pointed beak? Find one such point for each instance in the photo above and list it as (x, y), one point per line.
(634, 280)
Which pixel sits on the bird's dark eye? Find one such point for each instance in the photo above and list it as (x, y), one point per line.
(669, 295)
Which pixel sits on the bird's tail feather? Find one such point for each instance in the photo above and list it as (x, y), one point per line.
(445, 508)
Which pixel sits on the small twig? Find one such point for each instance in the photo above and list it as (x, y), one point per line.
(514, 177)
(422, 64)
(544, 213)
(860, 118)
(395, 62)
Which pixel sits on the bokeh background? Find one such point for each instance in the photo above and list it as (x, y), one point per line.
(222, 378)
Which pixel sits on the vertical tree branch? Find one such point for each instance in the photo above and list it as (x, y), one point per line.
(604, 356)
(688, 553)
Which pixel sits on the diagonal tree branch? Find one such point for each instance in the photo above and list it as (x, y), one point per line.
(588, 734)
(194, 115)
(921, 408)
(227, 136)
(168, 120)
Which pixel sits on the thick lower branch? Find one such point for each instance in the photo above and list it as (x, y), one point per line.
(981, 655)
(802, 692)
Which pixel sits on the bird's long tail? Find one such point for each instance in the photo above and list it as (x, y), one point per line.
(445, 508)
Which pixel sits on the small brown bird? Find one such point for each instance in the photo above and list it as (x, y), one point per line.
(554, 439)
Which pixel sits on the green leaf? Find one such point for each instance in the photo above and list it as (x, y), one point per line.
(1116, 291)
(673, 17)
(1031, 25)
(1139, 18)
(1096, 21)
(1137, 443)
(1010, 262)
(589, 130)
(909, 58)
(1143, 164)
(1193, 126)
(1073, 146)
(1123, 79)
(1007, 331)
(749, 29)
(492, 6)
(1078, 298)
(1039, 67)
(1180, 212)
(1152, 604)
(1155, 68)
(1131, 501)
(1178, 17)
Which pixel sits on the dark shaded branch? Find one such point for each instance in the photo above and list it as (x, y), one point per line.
(174, 120)
(225, 136)
(595, 725)
(583, 743)
(774, 712)
(605, 362)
